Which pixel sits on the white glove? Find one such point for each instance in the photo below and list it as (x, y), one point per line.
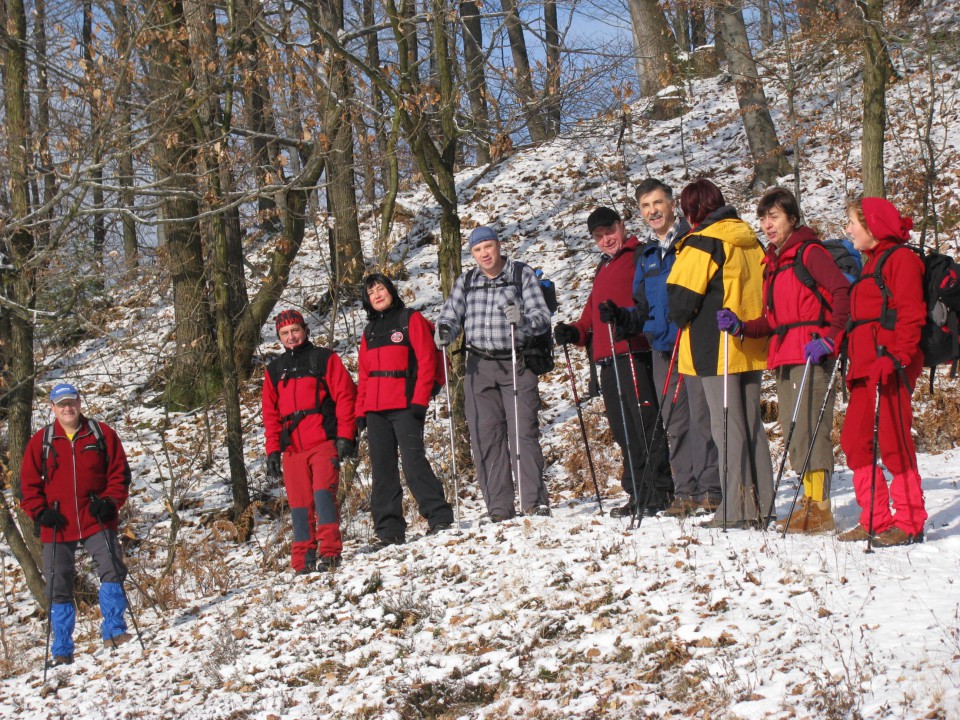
(512, 314)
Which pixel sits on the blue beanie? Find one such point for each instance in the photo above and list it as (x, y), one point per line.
(481, 234)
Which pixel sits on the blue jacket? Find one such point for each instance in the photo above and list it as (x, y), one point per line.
(650, 314)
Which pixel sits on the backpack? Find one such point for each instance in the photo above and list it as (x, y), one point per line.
(327, 409)
(47, 451)
(847, 260)
(538, 352)
(939, 337)
(439, 376)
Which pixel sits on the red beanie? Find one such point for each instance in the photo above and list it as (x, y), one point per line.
(884, 221)
(289, 317)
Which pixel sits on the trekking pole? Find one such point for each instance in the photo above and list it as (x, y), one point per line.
(53, 570)
(786, 445)
(453, 445)
(834, 374)
(516, 409)
(876, 457)
(726, 407)
(122, 576)
(626, 433)
(663, 400)
(583, 427)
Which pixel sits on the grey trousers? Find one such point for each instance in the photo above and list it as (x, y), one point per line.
(59, 565)
(749, 468)
(488, 390)
(788, 387)
(693, 454)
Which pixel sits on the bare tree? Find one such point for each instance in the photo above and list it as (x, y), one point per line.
(875, 70)
(654, 43)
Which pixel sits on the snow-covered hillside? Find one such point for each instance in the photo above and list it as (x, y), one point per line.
(574, 616)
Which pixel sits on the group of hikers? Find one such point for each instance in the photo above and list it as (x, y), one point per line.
(681, 320)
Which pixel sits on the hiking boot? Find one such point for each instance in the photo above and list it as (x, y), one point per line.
(894, 536)
(658, 503)
(797, 521)
(682, 507)
(383, 542)
(716, 523)
(820, 517)
(115, 642)
(857, 534)
(539, 510)
(329, 563)
(60, 660)
(624, 511)
(439, 528)
(498, 518)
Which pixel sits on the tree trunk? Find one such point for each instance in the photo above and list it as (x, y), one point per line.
(653, 43)
(96, 174)
(131, 248)
(875, 62)
(552, 103)
(769, 161)
(766, 24)
(20, 284)
(476, 78)
(526, 95)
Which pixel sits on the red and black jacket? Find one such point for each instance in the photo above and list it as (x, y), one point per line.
(397, 362)
(74, 469)
(308, 398)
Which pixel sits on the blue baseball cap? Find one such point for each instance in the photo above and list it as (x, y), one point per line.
(63, 391)
(482, 234)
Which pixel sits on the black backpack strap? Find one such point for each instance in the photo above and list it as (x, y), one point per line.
(46, 452)
(326, 407)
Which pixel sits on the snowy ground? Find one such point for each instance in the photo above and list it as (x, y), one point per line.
(574, 616)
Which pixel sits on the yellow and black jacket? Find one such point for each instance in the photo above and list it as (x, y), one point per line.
(718, 266)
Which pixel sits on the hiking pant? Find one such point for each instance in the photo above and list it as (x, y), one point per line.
(748, 485)
(311, 478)
(389, 432)
(897, 452)
(651, 472)
(693, 454)
(488, 400)
(59, 570)
(789, 378)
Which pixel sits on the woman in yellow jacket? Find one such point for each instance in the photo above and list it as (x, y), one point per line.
(718, 268)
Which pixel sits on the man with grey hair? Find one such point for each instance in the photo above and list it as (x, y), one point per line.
(494, 304)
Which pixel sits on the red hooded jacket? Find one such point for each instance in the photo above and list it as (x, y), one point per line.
(74, 470)
(613, 281)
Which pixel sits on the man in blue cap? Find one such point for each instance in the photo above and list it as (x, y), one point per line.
(491, 304)
(74, 479)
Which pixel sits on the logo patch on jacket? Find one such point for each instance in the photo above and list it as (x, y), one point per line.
(397, 337)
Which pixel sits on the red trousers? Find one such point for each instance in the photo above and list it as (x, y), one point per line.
(311, 479)
(897, 452)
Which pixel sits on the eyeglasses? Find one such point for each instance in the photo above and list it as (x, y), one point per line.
(70, 402)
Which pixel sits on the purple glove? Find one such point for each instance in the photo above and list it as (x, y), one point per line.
(817, 349)
(727, 321)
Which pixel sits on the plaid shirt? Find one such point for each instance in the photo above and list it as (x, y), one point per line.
(479, 313)
(650, 236)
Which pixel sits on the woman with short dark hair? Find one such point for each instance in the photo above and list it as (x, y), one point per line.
(397, 374)
(805, 307)
(718, 266)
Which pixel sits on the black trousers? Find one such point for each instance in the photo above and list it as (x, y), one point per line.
(651, 467)
(389, 432)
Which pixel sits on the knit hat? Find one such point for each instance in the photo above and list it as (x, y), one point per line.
(602, 217)
(884, 221)
(481, 234)
(63, 391)
(289, 317)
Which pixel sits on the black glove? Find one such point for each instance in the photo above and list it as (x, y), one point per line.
(345, 448)
(52, 519)
(361, 424)
(102, 508)
(419, 413)
(443, 336)
(274, 466)
(610, 312)
(565, 334)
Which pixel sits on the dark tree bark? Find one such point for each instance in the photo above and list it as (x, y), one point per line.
(523, 78)
(552, 94)
(875, 68)
(476, 78)
(99, 230)
(131, 248)
(769, 160)
(653, 43)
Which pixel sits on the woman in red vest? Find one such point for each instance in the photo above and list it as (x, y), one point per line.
(397, 377)
(887, 313)
(806, 301)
